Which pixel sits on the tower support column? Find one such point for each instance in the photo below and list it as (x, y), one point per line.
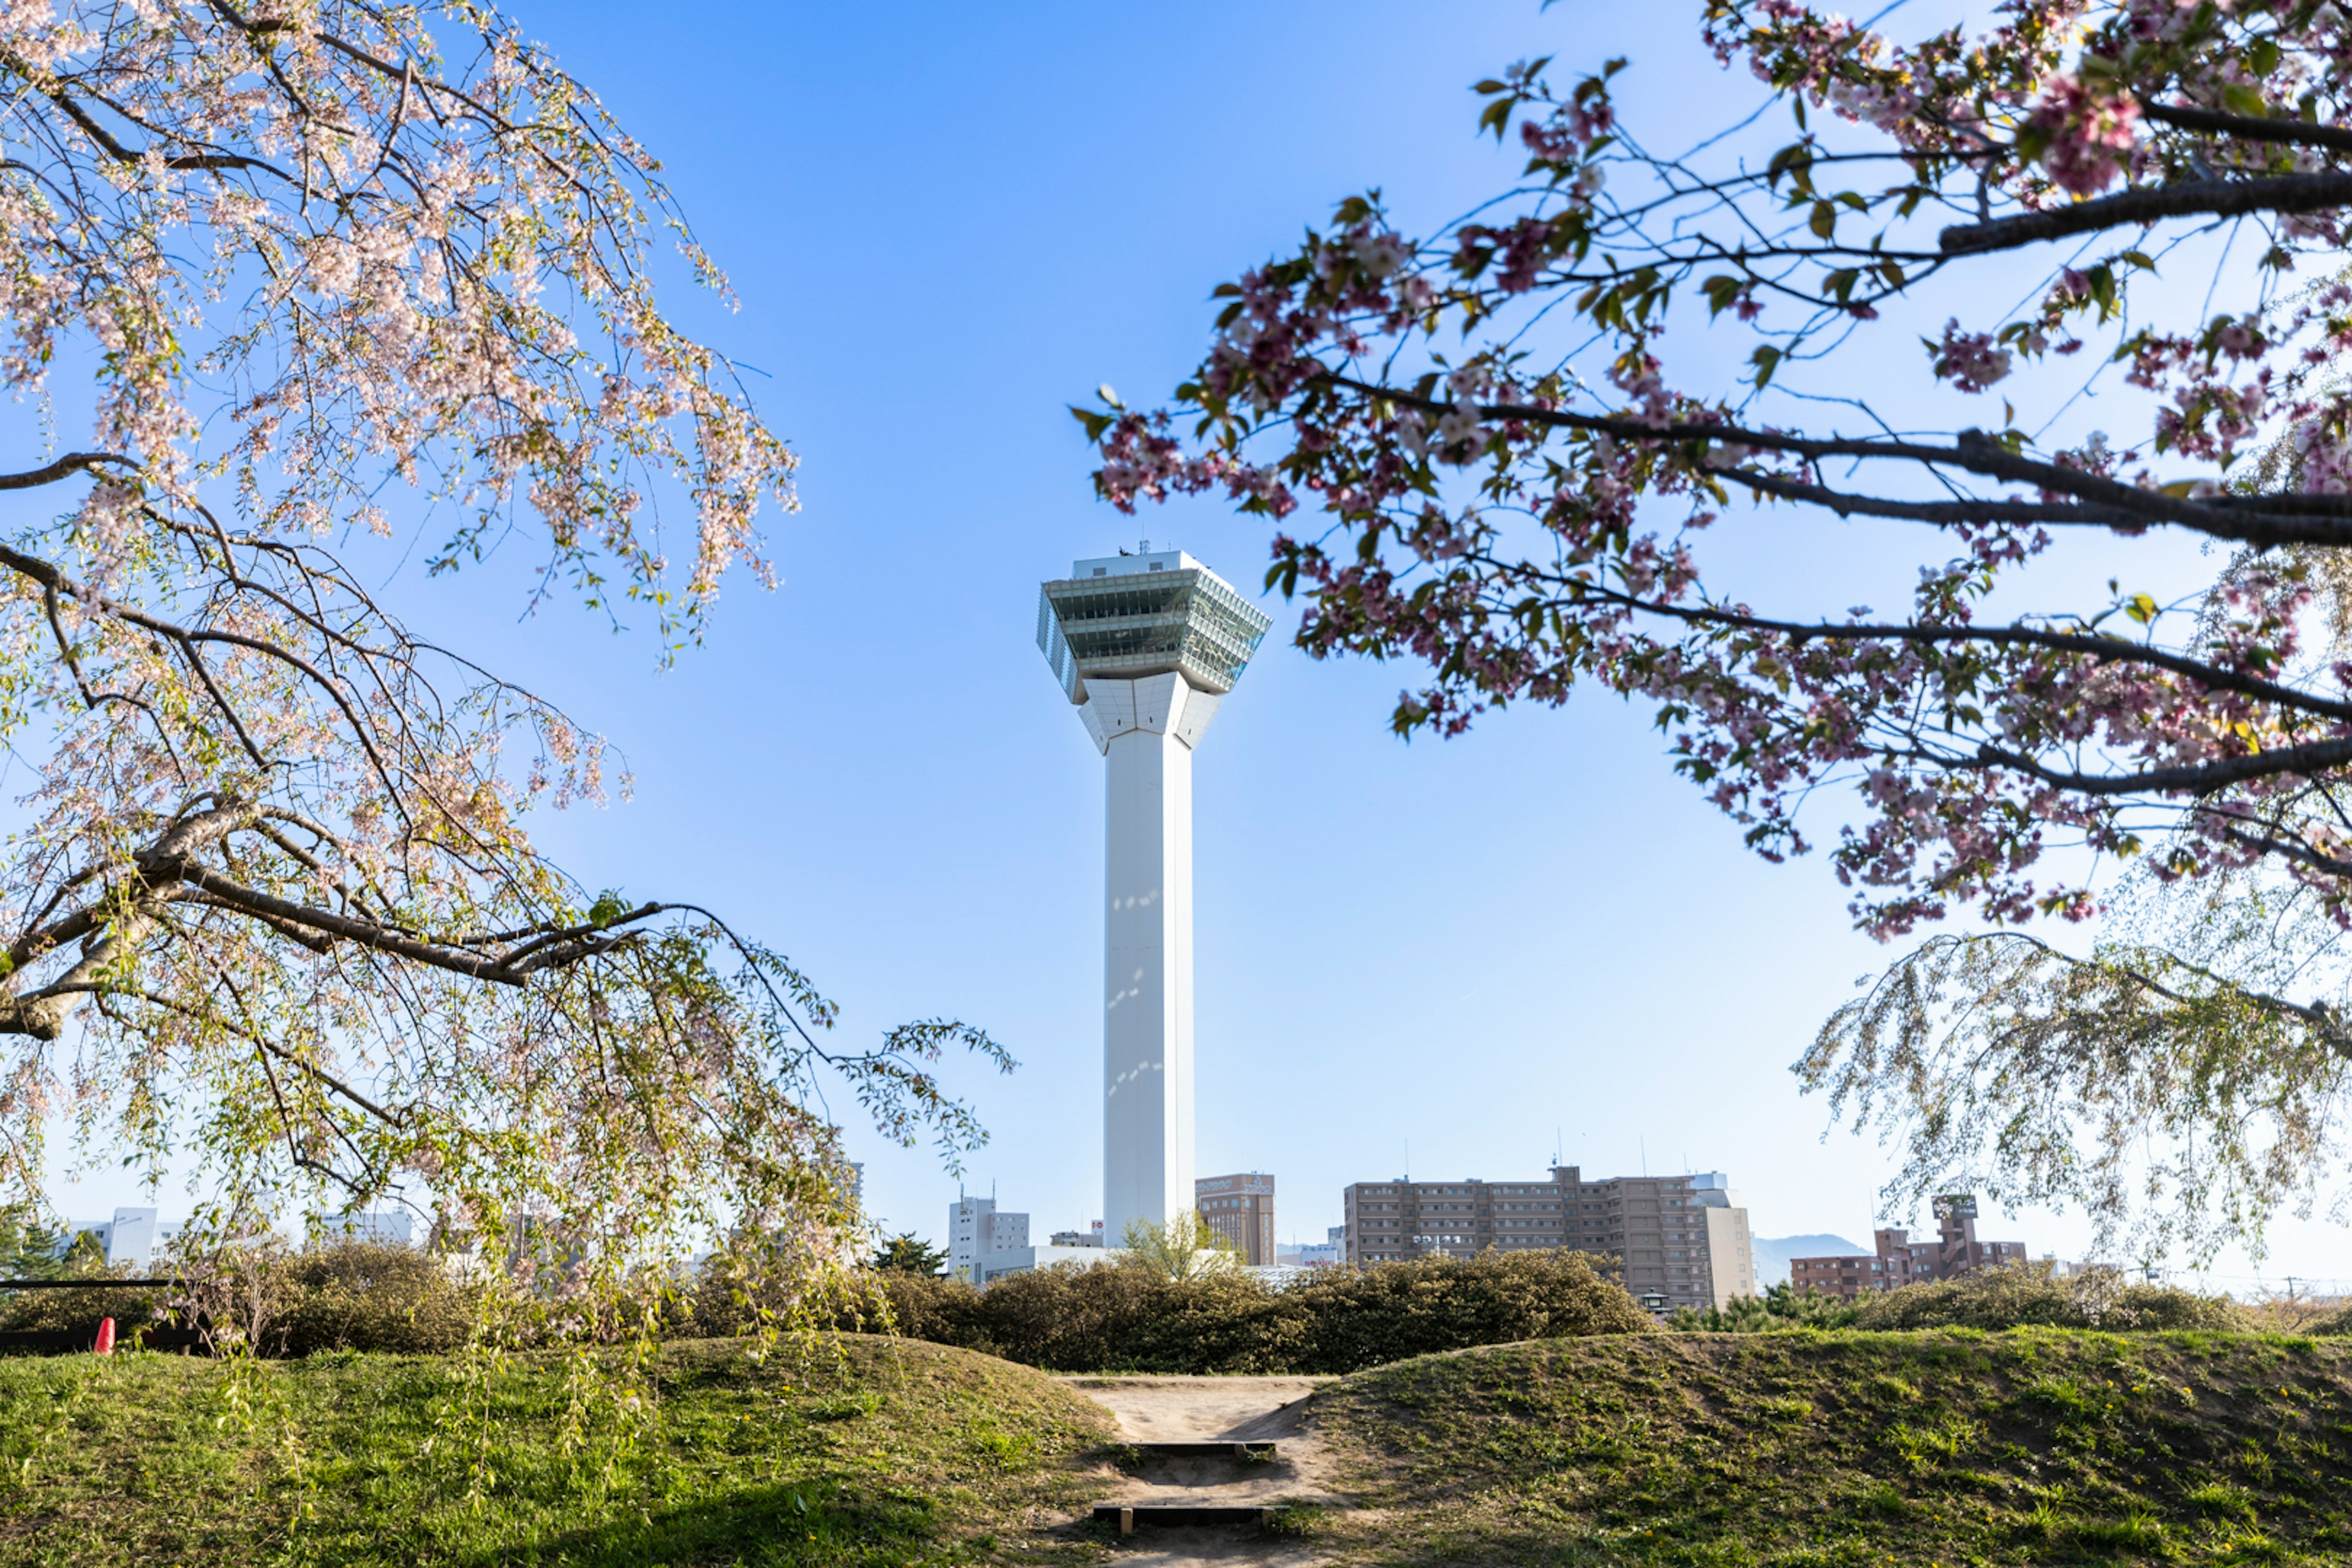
(1147, 730)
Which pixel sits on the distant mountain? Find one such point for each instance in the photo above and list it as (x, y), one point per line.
(1773, 1252)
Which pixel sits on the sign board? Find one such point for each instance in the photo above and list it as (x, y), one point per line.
(1956, 1205)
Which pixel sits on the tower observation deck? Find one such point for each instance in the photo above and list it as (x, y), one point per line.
(1147, 646)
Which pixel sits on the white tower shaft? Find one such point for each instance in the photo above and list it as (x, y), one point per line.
(1147, 730)
(1146, 645)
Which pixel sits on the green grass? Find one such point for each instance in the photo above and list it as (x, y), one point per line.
(891, 1454)
(1819, 1449)
(1802, 1450)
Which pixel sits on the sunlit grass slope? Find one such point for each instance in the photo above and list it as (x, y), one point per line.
(895, 1453)
(2032, 1447)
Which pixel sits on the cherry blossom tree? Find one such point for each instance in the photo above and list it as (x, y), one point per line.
(1499, 450)
(275, 279)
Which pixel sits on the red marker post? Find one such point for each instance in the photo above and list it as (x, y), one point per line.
(106, 1337)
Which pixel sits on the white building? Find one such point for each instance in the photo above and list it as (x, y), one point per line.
(1730, 1249)
(128, 1238)
(1147, 646)
(976, 1230)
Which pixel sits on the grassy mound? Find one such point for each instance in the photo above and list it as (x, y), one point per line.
(891, 1453)
(1727, 1450)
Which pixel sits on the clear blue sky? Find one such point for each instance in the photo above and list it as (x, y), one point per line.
(947, 221)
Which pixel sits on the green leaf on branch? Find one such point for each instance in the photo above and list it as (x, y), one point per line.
(2242, 100)
(1794, 160)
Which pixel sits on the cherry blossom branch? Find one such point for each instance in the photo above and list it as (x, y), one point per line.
(2199, 778)
(2285, 849)
(72, 463)
(309, 1069)
(2317, 1013)
(50, 577)
(2212, 677)
(2150, 204)
(2257, 529)
(1972, 450)
(505, 969)
(2249, 127)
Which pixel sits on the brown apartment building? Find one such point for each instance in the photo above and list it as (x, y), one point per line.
(1901, 1261)
(1660, 1230)
(1241, 1210)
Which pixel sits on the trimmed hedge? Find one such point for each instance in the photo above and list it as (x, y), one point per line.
(1116, 1318)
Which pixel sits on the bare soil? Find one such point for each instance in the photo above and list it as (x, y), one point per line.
(1208, 1409)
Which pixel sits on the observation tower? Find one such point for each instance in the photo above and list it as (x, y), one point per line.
(1146, 645)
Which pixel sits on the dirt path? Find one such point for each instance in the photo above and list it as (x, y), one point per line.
(1207, 1409)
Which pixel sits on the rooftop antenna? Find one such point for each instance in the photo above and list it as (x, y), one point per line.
(1143, 547)
(1645, 1154)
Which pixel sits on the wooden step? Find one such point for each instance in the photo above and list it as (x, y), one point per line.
(1132, 1517)
(1205, 1450)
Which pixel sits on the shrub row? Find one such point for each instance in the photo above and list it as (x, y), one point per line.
(2035, 1295)
(1124, 1319)
(2012, 1296)
(372, 1296)
(344, 1295)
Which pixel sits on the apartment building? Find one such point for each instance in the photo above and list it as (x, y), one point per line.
(1662, 1232)
(1240, 1208)
(1731, 1248)
(1850, 1278)
(1899, 1261)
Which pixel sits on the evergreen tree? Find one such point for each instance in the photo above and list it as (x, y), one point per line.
(905, 1253)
